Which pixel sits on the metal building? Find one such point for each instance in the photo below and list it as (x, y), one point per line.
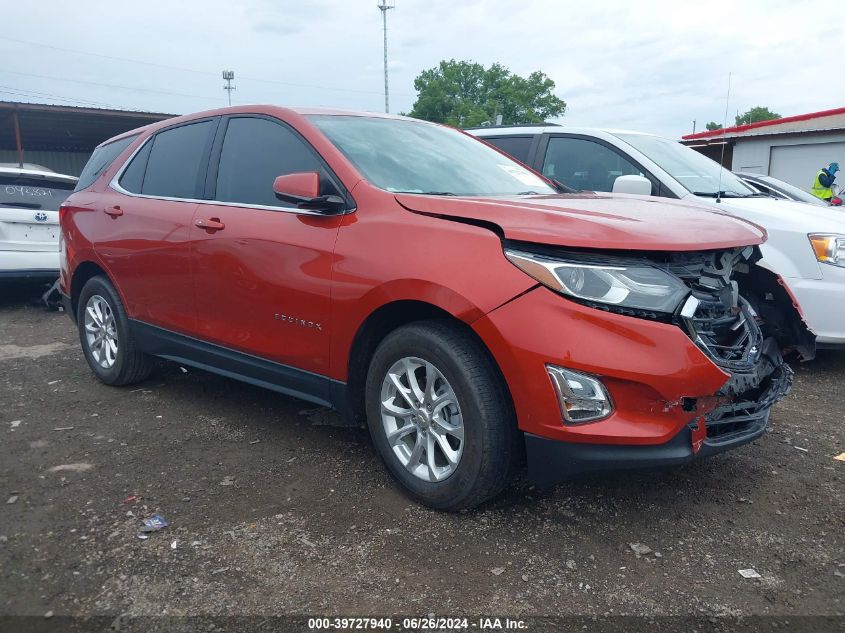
(61, 137)
(792, 149)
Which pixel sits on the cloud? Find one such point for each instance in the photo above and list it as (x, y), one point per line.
(650, 65)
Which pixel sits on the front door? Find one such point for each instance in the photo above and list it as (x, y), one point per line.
(262, 269)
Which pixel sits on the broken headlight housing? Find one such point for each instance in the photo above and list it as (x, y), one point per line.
(829, 248)
(634, 286)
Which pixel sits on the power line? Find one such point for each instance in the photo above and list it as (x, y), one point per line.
(107, 85)
(193, 70)
(20, 92)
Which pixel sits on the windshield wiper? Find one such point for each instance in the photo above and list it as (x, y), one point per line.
(21, 205)
(427, 193)
(562, 188)
(758, 194)
(718, 194)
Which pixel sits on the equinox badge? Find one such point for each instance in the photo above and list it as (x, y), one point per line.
(301, 322)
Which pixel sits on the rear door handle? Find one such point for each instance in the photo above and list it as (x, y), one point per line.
(114, 211)
(213, 224)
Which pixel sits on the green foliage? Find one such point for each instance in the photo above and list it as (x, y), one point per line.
(466, 94)
(713, 126)
(758, 113)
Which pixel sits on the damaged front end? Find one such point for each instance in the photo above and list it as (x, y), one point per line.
(726, 328)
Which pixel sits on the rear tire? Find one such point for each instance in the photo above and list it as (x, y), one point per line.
(433, 383)
(106, 339)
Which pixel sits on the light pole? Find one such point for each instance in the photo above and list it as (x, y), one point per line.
(229, 75)
(384, 7)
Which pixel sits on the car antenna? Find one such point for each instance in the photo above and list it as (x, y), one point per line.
(724, 142)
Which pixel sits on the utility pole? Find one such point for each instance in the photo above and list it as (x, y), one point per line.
(384, 7)
(229, 75)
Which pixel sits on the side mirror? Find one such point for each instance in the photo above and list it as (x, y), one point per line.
(303, 190)
(637, 185)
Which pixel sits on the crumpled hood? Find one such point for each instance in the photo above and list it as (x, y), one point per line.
(587, 220)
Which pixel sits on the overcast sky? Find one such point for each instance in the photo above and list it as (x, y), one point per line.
(643, 65)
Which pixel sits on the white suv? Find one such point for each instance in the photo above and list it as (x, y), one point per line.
(802, 284)
(30, 196)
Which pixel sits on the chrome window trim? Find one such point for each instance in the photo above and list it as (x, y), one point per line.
(114, 184)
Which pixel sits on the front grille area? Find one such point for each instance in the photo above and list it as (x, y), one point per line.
(750, 412)
(725, 327)
(720, 322)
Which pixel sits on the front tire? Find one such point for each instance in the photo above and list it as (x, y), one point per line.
(440, 416)
(106, 339)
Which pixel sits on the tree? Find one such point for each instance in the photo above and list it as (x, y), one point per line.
(758, 113)
(466, 94)
(713, 126)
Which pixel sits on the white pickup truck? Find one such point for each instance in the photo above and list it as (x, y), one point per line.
(804, 288)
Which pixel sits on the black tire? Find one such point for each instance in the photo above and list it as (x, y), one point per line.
(490, 432)
(130, 365)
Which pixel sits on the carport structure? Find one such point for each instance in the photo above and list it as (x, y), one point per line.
(61, 137)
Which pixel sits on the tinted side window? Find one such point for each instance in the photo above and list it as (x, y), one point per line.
(176, 161)
(133, 176)
(584, 164)
(516, 146)
(100, 160)
(254, 152)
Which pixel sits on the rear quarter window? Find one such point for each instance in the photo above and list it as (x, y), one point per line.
(100, 160)
(515, 146)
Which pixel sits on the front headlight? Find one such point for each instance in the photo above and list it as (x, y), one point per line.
(829, 248)
(640, 287)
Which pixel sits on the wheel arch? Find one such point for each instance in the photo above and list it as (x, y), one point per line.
(381, 322)
(775, 304)
(81, 274)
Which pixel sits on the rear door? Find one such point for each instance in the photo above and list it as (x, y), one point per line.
(29, 218)
(146, 223)
(262, 280)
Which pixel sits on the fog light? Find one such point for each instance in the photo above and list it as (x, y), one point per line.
(582, 398)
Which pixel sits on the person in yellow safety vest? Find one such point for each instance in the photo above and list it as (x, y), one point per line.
(822, 186)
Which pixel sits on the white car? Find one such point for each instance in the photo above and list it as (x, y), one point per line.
(30, 196)
(805, 250)
(780, 189)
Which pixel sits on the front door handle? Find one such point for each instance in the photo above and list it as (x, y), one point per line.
(212, 224)
(114, 211)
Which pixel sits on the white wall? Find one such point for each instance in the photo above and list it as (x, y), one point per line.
(795, 159)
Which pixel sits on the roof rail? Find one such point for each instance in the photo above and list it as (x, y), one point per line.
(495, 127)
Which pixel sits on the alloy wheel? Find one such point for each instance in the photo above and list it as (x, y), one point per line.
(101, 331)
(422, 419)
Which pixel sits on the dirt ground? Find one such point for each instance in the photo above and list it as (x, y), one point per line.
(273, 509)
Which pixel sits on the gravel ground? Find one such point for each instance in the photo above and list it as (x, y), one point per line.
(274, 509)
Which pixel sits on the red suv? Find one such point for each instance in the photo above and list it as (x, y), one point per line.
(417, 279)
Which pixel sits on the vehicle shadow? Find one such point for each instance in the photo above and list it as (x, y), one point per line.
(14, 294)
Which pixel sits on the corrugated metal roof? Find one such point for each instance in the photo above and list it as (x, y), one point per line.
(45, 127)
(824, 120)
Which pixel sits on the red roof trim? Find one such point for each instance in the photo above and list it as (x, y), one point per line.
(759, 124)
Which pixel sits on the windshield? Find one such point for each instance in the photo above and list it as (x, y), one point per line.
(697, 173)
(408, 156)
(33, 193)
(791, 190)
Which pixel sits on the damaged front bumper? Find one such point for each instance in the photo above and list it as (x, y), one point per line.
(723, 428)
(690, 385)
